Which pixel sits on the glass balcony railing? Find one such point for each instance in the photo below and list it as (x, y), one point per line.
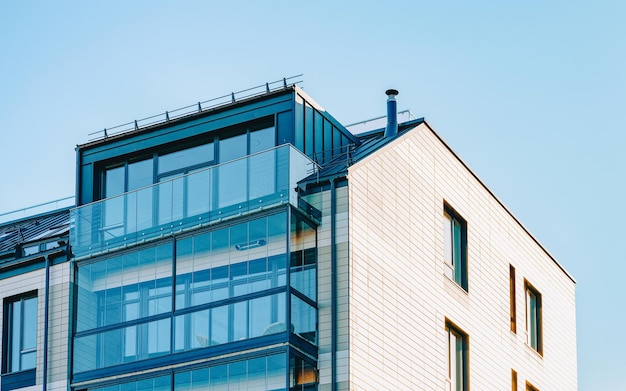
(206, 196)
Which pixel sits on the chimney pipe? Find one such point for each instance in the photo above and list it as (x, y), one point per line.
(392, 113)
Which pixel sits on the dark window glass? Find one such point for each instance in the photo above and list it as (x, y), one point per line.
(455, 246)
(319, 136)
(308, 130)
(285, 128)
(20, 328)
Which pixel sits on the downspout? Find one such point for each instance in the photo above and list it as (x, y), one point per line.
(45, 325)
(333, 284)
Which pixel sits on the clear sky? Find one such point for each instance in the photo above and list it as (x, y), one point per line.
(530, 94)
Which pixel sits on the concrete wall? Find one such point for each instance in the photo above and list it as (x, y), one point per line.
(400, 297)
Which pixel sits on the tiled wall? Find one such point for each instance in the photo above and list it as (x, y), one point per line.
(58, 319)
(400, 298)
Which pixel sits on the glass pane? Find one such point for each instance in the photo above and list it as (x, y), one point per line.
(189, 157)
(240, 321)
(232, 183)
(171, 196)
(114, 182)
(219, 325)
(140, 174)
(29, 324)
(233, 147)
(16, 335)
(218, 377)
(276, 371)
(319, 136)
(308, 130)
(447, 238)
(262, 139)
(457, 260)
(262, 175)
(257, 368)
(303, 319)
(29, 360)
(198, 192)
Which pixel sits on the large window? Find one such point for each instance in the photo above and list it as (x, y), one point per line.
(534, 337)
(20, 331)
(208, 288)
(455, 246)
(458, 376)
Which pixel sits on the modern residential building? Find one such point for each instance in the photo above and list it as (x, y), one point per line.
(258, 244)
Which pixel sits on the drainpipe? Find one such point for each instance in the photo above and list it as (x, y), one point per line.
(45, 325)
(333, 283)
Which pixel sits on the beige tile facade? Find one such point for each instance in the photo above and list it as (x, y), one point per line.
(400, 298)
(58, 326)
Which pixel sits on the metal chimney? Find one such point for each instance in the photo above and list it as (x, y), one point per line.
(392, 113)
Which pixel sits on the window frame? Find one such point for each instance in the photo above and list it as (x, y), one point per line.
(534, 327)
(9, 330)
(454, 333)
(456, 265)
(530, 387)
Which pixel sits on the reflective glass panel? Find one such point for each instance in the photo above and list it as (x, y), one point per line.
(189, 157)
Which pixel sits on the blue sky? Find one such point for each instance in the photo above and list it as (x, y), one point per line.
(531, 95)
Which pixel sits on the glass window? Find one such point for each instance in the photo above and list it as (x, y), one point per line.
(534, 337)
(319, 136)
(512, 309)
(125, 287)
(458, 376)
(233, 147)
(308, 130)
(303, 266)
(190, 157)
(20, 329)
(455, 246)
(262, 139)
(303, 319)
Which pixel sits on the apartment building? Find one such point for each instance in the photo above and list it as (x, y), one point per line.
(256, 243)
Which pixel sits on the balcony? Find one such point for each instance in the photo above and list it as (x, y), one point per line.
(253, 183)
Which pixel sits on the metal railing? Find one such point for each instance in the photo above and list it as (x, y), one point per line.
(198, 107)
(378, 122)
(34, 210)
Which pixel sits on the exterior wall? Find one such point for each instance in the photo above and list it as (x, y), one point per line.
(58, 330)
(322, 201)
(400, 297)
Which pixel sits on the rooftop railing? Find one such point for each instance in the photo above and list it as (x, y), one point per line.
(198, 107)
(252, 183)
(35, 210)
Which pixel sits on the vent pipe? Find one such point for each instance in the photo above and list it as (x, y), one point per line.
(392, 113)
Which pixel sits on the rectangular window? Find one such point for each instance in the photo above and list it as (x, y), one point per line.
(513, 311)
(534, 336)
(513, 380)
(458, 376)
(455, 246)
(20, 331)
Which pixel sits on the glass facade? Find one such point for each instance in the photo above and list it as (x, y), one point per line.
(269, 372)
(198, 260)
(183, 201)
(227, 285)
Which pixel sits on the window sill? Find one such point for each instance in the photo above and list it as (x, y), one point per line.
(456, 284)
(537, 353)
